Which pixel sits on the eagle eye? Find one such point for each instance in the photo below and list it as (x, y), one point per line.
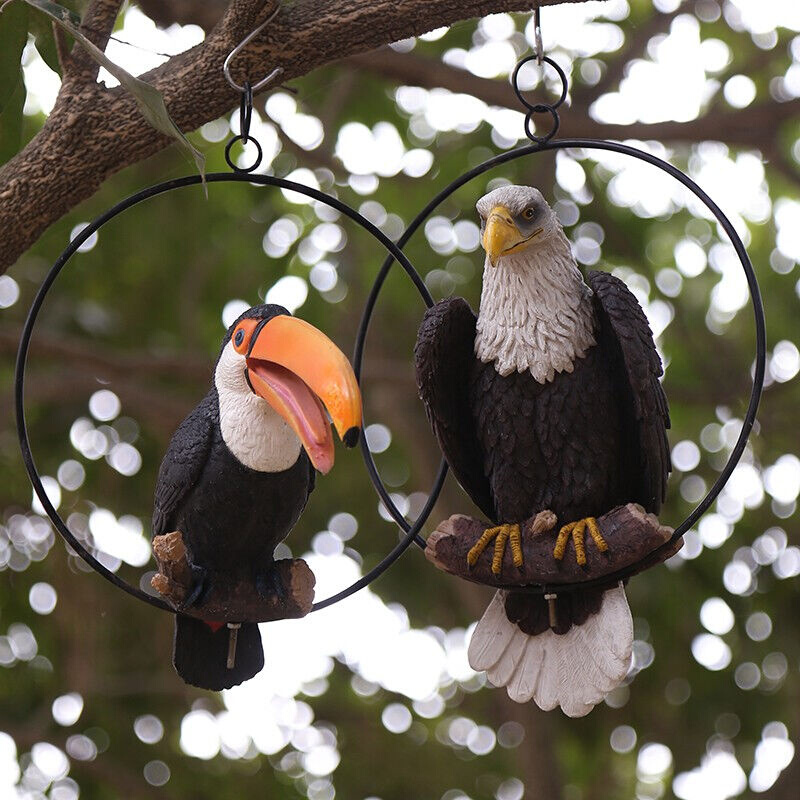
(528, 213)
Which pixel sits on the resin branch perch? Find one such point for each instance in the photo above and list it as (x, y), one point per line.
(632, 535)
(237, 603)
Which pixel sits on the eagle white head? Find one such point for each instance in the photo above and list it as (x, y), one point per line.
(515, 219)
(536, 312)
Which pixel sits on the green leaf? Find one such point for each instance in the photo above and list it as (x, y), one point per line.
(13, 36)
(148, 98)
(42, 31)
(11, 120)
(59, 13)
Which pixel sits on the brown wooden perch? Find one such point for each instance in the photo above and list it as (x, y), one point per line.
(632, 535)
(239, 602)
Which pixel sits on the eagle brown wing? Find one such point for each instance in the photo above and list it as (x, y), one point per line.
(626, 338)
(444, 357)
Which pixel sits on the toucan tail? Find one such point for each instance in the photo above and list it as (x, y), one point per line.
(574, 670)
(201, 653)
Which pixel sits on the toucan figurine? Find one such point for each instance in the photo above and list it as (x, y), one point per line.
(549, 402)
(239, 470)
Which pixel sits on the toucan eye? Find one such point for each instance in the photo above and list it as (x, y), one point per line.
(238, 338)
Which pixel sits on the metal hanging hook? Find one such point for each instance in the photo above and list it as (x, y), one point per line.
(537, 32)
(226, 66)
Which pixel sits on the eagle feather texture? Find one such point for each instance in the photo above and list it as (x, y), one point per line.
(536, 312)
(575, 670)
(518, 445)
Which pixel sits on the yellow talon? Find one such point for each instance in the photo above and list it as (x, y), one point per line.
(501, 534)
(577, 539)
(516, 545)
(479, 546)
(597, 537)
(499, 550)
(578, 530)
(561, 543)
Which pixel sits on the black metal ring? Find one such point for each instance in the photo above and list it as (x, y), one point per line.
(535, 107)
(553, 131)
(246, 110)
(30, 321)
(755, 297)
(244, 140)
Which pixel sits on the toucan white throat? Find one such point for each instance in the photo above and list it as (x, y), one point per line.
(536, 312)
(251, 429)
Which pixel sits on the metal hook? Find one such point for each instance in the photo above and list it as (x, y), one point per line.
(537, 32)
(233, 637)
(226, 66)
(552, 612)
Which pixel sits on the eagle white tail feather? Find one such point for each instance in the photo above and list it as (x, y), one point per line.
(575, 670)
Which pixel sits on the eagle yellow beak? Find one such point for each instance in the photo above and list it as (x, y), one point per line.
(502, 237)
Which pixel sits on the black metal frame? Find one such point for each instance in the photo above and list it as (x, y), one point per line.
(755, 296)
(239, 176)
(543, 143)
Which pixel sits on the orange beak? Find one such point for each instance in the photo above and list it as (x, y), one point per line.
(301, 373)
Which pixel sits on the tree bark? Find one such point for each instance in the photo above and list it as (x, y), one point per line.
(94, 132)
(753, 126)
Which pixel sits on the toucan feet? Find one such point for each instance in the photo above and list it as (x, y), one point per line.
(269, 584)
(578, 530)
(200, 588)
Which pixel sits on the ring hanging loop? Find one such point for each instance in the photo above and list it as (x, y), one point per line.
(245, 118)
(541, 145)
(537, 33)
(755, 296)
(551, 133)
(226, 66)
(395, 254)
(540, 108)
(246, 110)
(758, 315)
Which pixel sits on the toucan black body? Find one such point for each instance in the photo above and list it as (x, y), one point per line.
(236, 478)
(231, 518)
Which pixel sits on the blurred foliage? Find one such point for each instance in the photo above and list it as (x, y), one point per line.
(140, 314)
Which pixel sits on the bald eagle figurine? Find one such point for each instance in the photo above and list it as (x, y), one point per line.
(549, 400)
(238, 472)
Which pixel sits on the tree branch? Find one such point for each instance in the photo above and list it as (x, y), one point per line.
(753, 126)
(62, 47)
(158, 411)
(97, 25)
(206, 14)
(110, 363)
(94, 132)
(781, 163)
